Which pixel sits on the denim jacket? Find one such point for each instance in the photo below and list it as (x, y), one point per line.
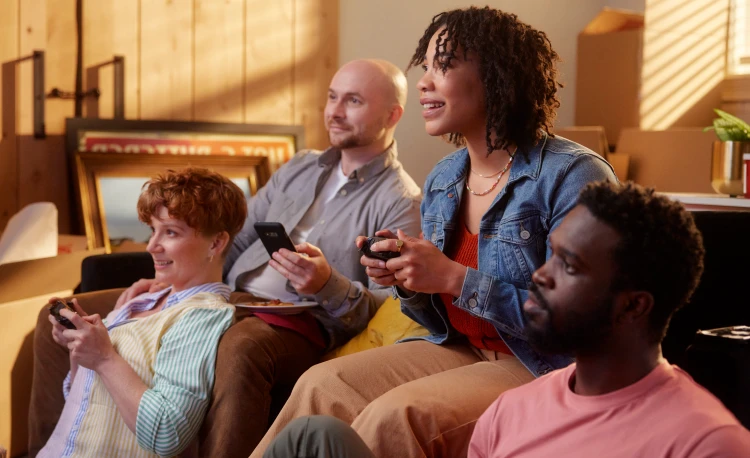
(513, 238)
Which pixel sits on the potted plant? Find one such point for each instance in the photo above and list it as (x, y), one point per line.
(726, 157)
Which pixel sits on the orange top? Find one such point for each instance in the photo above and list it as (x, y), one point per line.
(481, 333)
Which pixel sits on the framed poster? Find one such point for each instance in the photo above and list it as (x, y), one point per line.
(112, 159)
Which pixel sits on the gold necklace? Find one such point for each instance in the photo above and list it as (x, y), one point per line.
(502, 172)
(499, 171)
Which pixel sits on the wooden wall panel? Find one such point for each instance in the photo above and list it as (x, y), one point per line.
(166, 59)
(315, 62)
(269, 80)
(48, 25)
(218, 60)
(111, 27)
(8, 110)
(249, 61)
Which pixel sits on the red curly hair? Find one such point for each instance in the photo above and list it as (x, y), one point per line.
(206, 201)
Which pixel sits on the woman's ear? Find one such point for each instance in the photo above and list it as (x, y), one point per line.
(219, 243)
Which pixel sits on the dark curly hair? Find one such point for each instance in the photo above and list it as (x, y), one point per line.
(517, 66)
(660, 249)
(205, 200)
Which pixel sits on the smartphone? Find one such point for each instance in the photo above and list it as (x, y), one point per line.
(54, 310)
(274, 237)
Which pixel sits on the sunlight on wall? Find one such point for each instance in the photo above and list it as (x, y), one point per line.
(684, 57)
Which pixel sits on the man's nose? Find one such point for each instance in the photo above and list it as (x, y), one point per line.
(541, 277)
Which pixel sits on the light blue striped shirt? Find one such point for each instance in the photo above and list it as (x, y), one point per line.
(172, 409)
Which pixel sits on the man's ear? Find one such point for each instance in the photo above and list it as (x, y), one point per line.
(636, 306)
(395, 115)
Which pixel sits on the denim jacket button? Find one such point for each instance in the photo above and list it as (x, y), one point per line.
(434, 237)
(472, 303)
(525, 234)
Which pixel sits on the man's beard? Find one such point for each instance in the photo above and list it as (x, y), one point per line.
(346, 140)
(576, 331)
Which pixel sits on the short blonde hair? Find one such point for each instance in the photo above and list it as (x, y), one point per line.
(205, 200)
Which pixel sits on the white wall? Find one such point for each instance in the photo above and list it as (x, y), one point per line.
(390, 29)
(633, 5)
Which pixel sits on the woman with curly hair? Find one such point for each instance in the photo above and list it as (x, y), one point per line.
(490, 87)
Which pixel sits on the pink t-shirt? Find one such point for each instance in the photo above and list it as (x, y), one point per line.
(664, 415)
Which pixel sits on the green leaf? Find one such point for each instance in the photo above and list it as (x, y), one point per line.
(740, 124)
(729, 128)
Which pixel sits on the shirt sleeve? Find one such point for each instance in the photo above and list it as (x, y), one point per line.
(172, 410)
(730, 440)
(483, 437)
(349, 305)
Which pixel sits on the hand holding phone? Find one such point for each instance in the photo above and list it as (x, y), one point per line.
(274, 237)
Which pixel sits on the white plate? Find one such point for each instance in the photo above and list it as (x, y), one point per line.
(298, 307)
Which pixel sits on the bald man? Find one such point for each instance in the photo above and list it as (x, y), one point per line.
(324, 199)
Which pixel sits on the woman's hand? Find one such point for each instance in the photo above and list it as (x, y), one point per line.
(57, 328)
(421, 267)
(144, 285)
(89, 343)
(375, 268)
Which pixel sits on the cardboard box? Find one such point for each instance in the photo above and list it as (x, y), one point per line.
(674, 160)
(595, 139)
(610, 53)
(24, 288)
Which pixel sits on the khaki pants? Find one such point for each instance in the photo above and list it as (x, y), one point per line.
(413, 399)
(256, 367)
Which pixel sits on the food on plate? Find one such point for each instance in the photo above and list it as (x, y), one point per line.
(272, 302)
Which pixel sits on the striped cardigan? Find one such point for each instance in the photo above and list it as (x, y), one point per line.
(174, 353)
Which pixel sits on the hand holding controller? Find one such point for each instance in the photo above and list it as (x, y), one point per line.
(54, 310)
(382, 255)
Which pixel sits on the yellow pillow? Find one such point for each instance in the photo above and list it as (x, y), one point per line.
(386, 327)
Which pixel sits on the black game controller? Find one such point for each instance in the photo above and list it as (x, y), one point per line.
(382, 255)
(54, 310)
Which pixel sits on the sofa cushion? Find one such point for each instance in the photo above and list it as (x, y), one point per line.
(385, 328)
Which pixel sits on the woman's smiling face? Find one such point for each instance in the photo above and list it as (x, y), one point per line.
(181, 254)
(452, 100)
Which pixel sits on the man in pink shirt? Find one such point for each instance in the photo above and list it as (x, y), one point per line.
(623, 260)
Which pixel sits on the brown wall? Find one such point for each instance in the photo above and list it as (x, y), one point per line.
(251, 61)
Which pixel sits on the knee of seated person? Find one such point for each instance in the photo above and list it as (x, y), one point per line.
(319, 425)
(398, 403)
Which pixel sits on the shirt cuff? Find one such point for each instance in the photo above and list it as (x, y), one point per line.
(150, 413)
(334, 292)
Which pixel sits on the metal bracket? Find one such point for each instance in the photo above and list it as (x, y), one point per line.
(118, 65)
(38, 59)
(119, 86)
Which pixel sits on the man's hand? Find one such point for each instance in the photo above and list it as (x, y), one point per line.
(89, 342)
(141, 286)
(57, 328)
(307, 270)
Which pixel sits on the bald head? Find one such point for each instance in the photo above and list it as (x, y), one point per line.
(383, 76)
(366, 99)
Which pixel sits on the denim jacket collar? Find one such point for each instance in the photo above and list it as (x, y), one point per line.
(375, 167)
(451, 173)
